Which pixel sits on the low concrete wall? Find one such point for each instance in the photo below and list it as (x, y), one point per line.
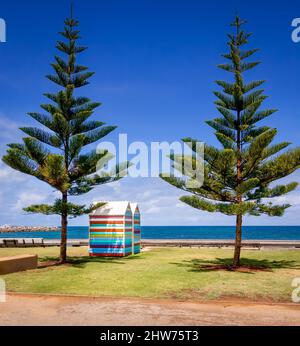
(17, 263)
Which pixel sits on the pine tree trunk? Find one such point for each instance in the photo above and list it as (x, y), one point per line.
(64, 226)
(239, 218)
(238, 241)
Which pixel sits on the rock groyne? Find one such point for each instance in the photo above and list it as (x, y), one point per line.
(15, 229)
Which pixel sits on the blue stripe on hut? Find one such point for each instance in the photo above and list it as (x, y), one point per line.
(110, 231)
(136, 228)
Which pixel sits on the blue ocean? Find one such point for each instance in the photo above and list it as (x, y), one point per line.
(181, 232)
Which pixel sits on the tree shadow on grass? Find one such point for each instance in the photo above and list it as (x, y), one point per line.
(248, 265)
(82, 261)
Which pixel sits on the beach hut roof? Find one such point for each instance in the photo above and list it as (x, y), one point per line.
(112, 208)
(134, 207)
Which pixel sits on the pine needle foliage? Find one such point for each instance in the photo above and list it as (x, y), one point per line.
(240, 177)
(55, 152)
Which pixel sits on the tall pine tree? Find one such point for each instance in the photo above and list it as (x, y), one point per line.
(55, 156)
(237, 177)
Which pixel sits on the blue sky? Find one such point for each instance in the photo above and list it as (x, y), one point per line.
(155, 64)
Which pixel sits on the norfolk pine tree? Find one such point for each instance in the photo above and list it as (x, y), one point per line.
(55, 156)
(237, 177)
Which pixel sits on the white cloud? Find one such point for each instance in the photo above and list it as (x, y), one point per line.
(27, 198)
(152, 210)
(159, 202)
(289, 199)
(9, 175)
(9, 128)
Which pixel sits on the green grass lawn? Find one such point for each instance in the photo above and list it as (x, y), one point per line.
(161, 273)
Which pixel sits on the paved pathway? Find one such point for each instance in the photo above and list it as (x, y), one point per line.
(60, 310)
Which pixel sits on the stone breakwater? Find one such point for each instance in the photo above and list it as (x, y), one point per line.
(14, 229)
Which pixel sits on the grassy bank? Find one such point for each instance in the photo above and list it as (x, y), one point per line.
(161, 273)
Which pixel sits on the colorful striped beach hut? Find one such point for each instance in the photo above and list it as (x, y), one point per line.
(111, 230)
(136, 228)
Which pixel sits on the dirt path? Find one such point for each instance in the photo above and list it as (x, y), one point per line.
(48, 310)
